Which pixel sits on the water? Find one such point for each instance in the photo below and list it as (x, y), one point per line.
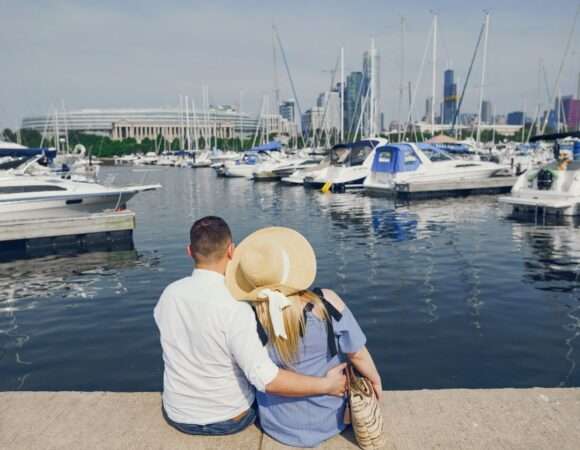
(450, 293)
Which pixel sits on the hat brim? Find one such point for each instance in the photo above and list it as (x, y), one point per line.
(300, 253)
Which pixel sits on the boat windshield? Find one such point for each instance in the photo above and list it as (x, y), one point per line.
(351, 155)
(436, 155)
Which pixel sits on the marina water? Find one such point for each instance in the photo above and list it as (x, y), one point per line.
(451, 293)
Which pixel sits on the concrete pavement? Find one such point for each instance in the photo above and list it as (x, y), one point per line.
(433, 419)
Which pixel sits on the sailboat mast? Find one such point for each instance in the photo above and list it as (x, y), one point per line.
(275, 68)
(342, 94)
(372, 108)
(482, 76)
(402, 80)
(434, 75)
(187, 129)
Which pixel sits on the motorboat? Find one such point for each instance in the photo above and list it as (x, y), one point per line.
(348, 167)
(29, 196)
(275, 171)
(250, 161)
(553, 189)
(201, 159)
(405, 163)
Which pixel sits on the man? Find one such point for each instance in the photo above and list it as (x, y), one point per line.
(211, 348)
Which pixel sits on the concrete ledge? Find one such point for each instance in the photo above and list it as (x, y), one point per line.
(447, 419)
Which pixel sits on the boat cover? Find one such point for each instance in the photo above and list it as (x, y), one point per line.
(395, 158)
(28, 152)
(273, 145)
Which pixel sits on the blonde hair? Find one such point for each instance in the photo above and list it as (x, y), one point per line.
(287, 349)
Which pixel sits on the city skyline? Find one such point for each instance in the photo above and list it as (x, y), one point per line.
(146, 55)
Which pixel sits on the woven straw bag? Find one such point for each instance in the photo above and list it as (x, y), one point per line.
(365, 412)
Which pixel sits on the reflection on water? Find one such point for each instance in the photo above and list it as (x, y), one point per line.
(555, 268)
(74, 276)
(26, 285)
(450, 293)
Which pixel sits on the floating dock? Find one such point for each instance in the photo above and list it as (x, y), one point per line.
(30, 238)
(457, 188)
(471, 419)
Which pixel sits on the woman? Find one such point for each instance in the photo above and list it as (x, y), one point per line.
(308, 331)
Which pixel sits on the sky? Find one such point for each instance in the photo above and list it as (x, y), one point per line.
(101, 54)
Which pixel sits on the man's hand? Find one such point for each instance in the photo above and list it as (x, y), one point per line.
(336, 380)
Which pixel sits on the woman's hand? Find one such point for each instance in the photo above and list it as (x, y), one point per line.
(377, 387)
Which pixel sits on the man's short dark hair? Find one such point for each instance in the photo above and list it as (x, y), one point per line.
(209, 239)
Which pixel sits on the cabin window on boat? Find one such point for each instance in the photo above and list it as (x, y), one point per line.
(410, 158)
(385, 157)
(435, 155)
(28, 189)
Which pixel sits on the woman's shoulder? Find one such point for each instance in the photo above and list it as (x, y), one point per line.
(334, 299)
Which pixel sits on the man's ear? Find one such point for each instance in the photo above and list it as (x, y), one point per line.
(188, 250)
(231, 250)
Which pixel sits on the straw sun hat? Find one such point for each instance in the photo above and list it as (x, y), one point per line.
(274, 258)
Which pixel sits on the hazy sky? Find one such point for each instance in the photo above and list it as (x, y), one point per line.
(146, 53)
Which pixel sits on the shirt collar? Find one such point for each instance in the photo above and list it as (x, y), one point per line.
(208, 275)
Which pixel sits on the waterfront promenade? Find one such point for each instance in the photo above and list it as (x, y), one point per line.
(443, 419)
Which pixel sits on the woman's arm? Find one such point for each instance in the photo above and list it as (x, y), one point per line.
(363, 362)
(361, 359)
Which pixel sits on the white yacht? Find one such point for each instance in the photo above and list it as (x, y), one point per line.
(418, 162)
(26, 196)
(349, 166)
(201, 159)
(553, 189)
(250, 161)
(276, 170)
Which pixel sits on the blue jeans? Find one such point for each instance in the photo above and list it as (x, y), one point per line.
(215, 429)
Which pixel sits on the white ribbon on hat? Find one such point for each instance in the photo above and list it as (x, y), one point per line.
(277, 302)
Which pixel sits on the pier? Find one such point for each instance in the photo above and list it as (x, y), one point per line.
(23, 238)
(447, 419)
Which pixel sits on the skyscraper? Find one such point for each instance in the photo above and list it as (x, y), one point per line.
(428, 106)
(486, 112)
(329, 103)
(287, 110)
(353, 95)
(371, 84)
(449, 97)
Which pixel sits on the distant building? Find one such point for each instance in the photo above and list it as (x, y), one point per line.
(312, 120)
(353, 96)
(515, 118)
(287, 110)
(486, 112)
(428, 109)
(371, 83)
(449, 97)
(570, 114)
(469, 119)
(500, 119)
(139, 124)
(329, 102)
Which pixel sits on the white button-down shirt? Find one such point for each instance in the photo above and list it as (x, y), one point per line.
(211, 350)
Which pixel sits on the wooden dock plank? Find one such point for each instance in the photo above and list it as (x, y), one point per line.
(11, 230)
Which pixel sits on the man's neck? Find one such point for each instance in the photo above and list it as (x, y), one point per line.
(218, 267)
